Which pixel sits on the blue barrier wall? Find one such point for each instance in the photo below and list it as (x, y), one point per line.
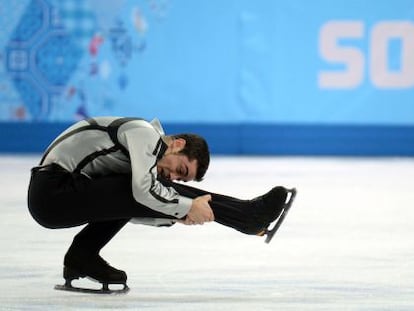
(249, 139)
(255, 77)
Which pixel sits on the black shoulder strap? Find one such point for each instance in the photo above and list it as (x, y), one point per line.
(112, 130)
(92, 125)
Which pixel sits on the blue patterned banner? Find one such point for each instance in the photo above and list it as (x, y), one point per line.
(306, 62)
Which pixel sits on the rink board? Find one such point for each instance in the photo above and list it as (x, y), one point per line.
(248, 139)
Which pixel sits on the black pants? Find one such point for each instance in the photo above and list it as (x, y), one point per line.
(60, 199)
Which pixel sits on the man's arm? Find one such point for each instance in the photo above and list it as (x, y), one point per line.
(141, 142)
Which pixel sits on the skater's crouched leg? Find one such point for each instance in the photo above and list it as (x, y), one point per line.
(83, 260)
(79, 264)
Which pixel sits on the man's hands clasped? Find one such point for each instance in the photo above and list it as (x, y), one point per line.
(200, 211)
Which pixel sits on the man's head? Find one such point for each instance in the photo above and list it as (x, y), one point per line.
(186, 158)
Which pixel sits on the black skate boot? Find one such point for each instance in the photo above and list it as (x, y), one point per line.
(79, 265)
(270, 207)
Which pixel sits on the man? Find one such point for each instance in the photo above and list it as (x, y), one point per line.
(107, 171)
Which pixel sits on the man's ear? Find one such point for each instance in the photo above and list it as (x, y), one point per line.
(178, 144)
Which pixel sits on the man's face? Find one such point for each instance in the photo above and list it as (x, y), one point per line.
(175, 166)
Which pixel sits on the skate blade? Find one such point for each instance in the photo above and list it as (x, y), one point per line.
(270, 233)
(104, 290)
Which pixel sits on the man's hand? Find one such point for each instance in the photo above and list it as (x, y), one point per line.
(200, 211)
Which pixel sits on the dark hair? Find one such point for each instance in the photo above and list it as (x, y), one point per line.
(196, 148)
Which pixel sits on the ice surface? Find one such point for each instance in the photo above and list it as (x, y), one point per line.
(347, 244)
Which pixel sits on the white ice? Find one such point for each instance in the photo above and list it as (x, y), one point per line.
(347, 244)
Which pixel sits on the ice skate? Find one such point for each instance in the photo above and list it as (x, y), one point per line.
(281, 208)
(96, 269)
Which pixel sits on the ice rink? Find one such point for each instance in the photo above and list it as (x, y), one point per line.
(347, 244)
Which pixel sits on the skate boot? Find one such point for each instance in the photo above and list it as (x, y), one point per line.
(272, 207)
(94, 267)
